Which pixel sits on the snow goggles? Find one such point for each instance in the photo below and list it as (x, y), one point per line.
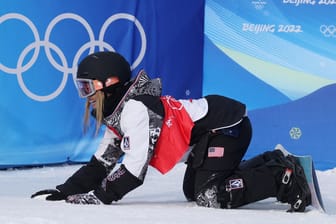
(88, 87)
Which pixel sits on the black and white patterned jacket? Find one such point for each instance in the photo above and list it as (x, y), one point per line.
(132, 131)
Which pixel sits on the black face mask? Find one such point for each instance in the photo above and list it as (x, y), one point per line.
(113, 95)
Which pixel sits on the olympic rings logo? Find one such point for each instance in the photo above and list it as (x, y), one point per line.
(259, 4)
(328, 31)
(48, 46)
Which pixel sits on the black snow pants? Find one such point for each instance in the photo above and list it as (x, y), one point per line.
(222, 165)
(221, 154)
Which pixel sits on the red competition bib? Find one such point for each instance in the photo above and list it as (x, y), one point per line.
(174, 137)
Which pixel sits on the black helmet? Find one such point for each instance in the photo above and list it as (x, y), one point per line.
(102, 65)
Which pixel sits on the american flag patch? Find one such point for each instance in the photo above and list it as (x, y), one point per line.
(215, 151)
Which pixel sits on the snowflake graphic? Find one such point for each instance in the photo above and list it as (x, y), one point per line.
(295, 133)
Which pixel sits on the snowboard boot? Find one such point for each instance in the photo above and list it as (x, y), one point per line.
(293, 187)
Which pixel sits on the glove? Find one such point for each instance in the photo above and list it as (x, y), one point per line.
(53, 194)
(84, 199)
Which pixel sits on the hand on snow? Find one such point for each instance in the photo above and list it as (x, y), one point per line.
(53, 194)
(84, 199)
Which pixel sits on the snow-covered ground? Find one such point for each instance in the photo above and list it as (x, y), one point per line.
(160, 200)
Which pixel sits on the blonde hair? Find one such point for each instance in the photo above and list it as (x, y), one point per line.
(99, 112)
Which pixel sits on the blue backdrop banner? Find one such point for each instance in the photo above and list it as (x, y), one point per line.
(41, 45)
(281, 63)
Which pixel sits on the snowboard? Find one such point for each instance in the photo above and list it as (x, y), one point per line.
(307, 164)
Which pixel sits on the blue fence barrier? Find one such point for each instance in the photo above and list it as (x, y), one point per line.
(281, 63)
(41, 45)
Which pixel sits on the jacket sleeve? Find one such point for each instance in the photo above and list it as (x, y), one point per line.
(87, 178)
(90, 176)
(140, 132)
(116, 185)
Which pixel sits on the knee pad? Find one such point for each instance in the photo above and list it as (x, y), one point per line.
(222, 193)
(207, 197)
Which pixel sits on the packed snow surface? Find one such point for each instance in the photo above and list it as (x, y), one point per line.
(159, 200)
